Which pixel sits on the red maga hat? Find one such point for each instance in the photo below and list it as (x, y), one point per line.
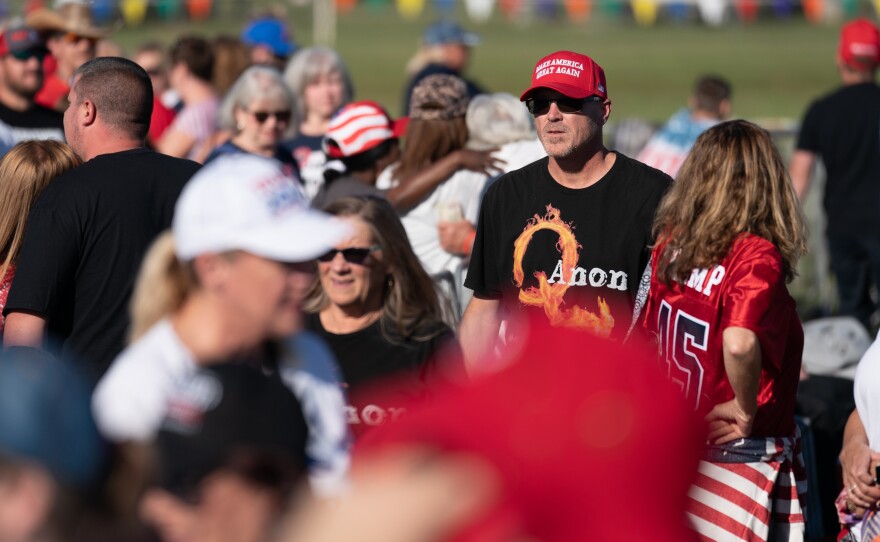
(860, 44)
(573, 74)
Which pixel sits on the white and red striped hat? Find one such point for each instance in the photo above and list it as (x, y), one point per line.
(358, 127)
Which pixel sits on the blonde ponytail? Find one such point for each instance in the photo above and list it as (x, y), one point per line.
(163, 284)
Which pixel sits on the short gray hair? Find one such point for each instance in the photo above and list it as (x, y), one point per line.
(306, 66)
(496, 119)
(255, 82)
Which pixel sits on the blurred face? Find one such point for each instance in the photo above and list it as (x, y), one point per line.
(151, 62)
(565, 134)
(22, 73)
(71, 51)
(229, 509)
(262, 124)
(357, 281)
(323, 96)
(456, 56)
(265, 296)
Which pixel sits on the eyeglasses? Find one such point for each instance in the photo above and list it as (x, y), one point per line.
(263, 116)
(73, 37)
(540, 106)
(24, 56)
(355, 255)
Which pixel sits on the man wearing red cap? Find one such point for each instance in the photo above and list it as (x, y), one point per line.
(567, 235)
(843, 129)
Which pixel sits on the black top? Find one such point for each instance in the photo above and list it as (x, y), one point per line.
(589, 244)
(37, 122)
(405, 368)
(843, 128)
(433, 69)
(83, 245)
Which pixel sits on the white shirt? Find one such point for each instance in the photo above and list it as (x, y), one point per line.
(130, 401)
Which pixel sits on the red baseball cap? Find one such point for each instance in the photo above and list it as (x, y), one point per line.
(18, 39)
(860, 45)
(573, 74)
(586, 436)
(358, 127)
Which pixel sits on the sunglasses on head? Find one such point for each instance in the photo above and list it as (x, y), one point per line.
(263, 116)
(540, 106)
(352, 255)
(24, 56)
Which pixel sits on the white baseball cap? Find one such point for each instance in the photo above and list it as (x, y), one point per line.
(247, 202)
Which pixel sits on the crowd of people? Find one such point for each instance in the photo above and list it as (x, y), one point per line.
(241, 305)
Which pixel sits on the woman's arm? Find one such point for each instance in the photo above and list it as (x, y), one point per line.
(412, 189)
(742, 362)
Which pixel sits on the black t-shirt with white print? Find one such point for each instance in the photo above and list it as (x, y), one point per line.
(575, 255)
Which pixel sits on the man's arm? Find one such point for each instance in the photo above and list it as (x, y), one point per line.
(478, 331)
(801, 171)
(742, 362)
(24, 329)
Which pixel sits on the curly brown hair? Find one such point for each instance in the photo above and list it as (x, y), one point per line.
(733, 182)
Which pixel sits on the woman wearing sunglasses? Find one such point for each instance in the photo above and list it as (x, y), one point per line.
(258, 110)
(379, 312)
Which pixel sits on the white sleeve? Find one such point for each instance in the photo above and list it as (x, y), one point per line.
(313, 375)
(131, 399)
(867, 393)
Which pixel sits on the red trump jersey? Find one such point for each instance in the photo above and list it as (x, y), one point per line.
(746, 289)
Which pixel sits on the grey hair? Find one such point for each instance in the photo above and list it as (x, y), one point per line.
(305, 67)
(254, 83)
(496, 119)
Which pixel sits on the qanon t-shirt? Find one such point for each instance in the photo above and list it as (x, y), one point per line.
(574, 255)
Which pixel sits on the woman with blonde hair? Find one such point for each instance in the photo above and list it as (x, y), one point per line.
(378, 311)
(321, 84)
(24, 172)
(729, 234)
(226, 285)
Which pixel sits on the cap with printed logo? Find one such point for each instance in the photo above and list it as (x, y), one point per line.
(19, 39)
(572, 74)
(860, 45)
(359, 127)
(247, 202)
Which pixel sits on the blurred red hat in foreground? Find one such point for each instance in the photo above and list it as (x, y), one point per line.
(589, 440)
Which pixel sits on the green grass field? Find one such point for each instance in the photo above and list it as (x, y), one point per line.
(775, 67)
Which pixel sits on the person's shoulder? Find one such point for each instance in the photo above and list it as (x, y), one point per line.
(523, 177)
(754, 249)
(158, 345)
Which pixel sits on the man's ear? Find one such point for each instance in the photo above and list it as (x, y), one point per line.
(87, 112)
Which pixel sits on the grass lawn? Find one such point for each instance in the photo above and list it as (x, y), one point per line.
(775, 67)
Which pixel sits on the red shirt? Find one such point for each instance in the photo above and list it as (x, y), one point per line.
(747, 289)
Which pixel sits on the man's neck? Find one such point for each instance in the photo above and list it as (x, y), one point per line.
(111, 143)
(852, 77)
(582, 170)
(195, 91)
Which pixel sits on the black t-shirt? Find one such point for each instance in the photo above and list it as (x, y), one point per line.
(405, 369)
(37, 122)
(843, 128)
(83, 245)
(590, 244)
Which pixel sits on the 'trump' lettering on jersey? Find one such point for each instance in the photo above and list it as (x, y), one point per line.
(698, 279)
(549, 293)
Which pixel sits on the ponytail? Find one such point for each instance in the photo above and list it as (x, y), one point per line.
(162, 285)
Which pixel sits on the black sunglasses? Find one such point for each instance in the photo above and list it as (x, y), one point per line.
(540, 106)
(28, 54)
(352, 255)
(263, 116)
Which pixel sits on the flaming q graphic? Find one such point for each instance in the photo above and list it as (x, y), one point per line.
(550, 296)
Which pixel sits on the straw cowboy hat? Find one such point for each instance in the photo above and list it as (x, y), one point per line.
(70, 17)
